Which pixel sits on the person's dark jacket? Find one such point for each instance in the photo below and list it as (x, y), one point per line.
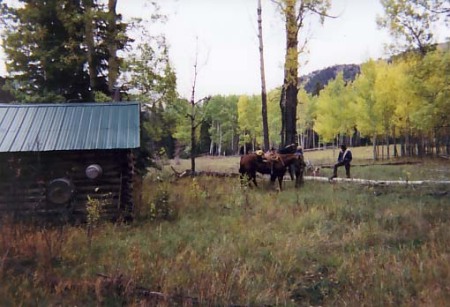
(347, 158)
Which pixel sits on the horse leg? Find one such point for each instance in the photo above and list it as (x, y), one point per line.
(245, 179)
(253, 177)
(280, 181)
(299, 181)
(242, 179)
(299, 173)
(292, 171)
(272, 179)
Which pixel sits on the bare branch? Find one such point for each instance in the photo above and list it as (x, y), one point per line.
(280, 6)
(322, 14)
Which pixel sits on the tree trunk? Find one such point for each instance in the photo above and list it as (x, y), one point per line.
(408, 139)
(313, 138)
(193, 140)
(388, 150)
(263, 80)
(447, 144)
(113, 61)
(283, 114)
(375, 155)
(192, 118)
(232, 141)
(291, 114)
(421, 145)
(437, 142)
(219, 149)
(90, 46)
(402, 146)
(211, 148)
(395, 142)
(290, 84)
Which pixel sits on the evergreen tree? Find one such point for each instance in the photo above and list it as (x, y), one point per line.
(56, 49)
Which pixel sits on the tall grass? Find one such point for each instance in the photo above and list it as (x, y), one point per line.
(218, 243)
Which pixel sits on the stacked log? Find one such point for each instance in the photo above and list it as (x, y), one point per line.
(25, 177)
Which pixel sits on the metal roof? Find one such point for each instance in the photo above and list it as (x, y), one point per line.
(69, 126)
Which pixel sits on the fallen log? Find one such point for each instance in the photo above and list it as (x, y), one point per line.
(377, 164)
(187, 173)
(378, 182)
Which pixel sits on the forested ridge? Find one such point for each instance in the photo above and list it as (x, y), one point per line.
(317, 80)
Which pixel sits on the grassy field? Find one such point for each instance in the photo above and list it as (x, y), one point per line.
(231, 163)
(413, 169)
(208, 241)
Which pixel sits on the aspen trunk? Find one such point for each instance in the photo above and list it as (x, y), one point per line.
(374, 141)
(290, 82)
(263, 79)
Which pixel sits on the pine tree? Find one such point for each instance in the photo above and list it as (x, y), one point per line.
(57, 49)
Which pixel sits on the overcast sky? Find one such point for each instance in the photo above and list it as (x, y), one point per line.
(228, 46)
(225, 34)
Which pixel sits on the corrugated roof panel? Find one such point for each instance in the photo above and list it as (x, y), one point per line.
(113, 122)
(104, 129)
(69, 127)
(81, 126)
(46, 131)
(35, 138)
(55, 129)
(78, 116)
(91, 140)
(123, 122)
(23, 128)
(133, 138)
(66, 136)
(2, 118)
(4, 129)
(14, 129)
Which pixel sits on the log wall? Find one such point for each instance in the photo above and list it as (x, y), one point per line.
(24, 179)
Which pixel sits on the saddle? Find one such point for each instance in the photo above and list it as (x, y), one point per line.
(272, 156)
(269, 157)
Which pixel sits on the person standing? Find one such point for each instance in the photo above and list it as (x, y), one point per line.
(344, 158)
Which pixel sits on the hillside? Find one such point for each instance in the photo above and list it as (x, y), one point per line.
(319, 79)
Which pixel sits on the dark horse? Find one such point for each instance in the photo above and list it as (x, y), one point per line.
(276, 168)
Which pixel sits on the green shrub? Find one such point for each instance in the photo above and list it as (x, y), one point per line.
(161, 207)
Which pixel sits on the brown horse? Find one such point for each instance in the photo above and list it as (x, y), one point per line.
(276, 168)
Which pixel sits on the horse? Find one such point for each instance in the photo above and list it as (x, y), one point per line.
(296, 169)
(276, 168)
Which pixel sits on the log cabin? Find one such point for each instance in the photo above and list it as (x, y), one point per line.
(55, 159)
